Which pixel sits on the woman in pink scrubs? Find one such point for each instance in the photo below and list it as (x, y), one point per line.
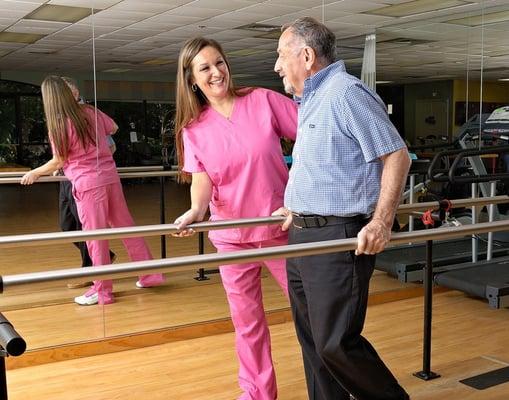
(78, 137)
(228, 142)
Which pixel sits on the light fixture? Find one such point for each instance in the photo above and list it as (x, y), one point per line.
(477, 20)
(417, 7)
(17, 37)
(56, 13)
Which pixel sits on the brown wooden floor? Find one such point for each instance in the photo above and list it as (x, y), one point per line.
(468, 339)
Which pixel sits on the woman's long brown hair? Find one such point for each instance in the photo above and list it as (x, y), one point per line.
(59, 107)
(190, 104)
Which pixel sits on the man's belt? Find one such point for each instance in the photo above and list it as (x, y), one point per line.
(318, 221)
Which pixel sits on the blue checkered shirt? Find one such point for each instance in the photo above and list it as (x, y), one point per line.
(343, 130)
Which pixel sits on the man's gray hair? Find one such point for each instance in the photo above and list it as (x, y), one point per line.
(315, 35)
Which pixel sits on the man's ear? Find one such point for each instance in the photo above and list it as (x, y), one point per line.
(309, 57)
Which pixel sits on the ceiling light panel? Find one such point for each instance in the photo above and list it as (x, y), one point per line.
(56, 13)
(14, 37)
(417, 7)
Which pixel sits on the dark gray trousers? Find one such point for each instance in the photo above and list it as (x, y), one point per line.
(329, 295)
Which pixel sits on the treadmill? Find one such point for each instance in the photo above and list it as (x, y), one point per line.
(485, 279)
(406, 262)
(488, 279)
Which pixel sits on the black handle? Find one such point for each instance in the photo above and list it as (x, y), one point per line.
(453, 178)
(10, 340)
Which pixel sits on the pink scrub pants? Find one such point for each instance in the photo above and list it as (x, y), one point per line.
(242, 283)
(105, 207)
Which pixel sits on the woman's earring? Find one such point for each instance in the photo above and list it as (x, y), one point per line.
(194, 87)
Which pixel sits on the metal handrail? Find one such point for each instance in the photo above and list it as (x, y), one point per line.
(40, 239)
(187, 263)
(122, 175)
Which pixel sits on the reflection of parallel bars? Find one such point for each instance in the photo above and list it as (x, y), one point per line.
(120, 170)
(124, 173)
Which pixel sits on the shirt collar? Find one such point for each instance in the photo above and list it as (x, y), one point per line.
(314, 81)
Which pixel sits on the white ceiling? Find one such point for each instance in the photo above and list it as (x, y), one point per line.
(129, 33)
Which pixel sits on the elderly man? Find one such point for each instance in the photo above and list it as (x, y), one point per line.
(349, 168)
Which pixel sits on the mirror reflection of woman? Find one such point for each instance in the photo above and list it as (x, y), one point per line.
(80, 148)
(228, 144)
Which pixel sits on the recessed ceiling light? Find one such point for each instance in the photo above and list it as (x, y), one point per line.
(417, 7)
(17, 37)
(55, 13)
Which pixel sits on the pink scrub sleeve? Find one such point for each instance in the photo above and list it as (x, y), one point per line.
(104, 123)
(191, 162)
(285, 112)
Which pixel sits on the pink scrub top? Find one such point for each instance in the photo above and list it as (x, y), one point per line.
(94, 166)
(243, 158)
